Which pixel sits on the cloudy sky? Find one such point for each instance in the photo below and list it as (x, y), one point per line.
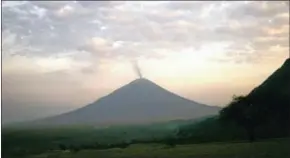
(58, 56)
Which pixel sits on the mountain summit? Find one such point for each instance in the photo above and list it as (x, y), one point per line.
(140, 101)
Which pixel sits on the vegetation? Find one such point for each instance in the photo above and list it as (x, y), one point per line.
(277, 148)
(244, 114)
(21, 142)
(267, 106)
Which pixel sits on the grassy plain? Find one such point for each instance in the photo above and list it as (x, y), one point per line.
(272, 148)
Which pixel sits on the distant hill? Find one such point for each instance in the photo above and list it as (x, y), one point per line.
(140, 101)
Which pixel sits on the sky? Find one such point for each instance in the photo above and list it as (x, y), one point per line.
(59, 56)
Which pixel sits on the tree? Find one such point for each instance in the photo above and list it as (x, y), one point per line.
(74, 148)
(62, 147)
(244, 113)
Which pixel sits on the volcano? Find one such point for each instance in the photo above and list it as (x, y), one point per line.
(140, 101)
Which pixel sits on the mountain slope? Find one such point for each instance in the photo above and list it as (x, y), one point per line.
(276, 84)
(273, 95)
(140, 101)
(272, 99)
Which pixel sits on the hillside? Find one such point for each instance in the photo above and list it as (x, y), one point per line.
(267, 106)
(276, 84)
(273, 97)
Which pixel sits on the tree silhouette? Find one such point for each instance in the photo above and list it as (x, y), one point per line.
(62, 147)
(243, 113)
(75, 149)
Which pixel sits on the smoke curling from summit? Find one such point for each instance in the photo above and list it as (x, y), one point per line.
(137, 68)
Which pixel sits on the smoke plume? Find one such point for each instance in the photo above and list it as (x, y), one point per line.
(137, 68)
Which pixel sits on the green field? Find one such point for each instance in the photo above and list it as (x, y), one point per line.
(143, 141)
(275, 148)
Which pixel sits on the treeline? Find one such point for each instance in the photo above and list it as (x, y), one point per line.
(25, 142)
(168, 143)
(94, 146)
(214, 130)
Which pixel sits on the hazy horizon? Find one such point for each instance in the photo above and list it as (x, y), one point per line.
(59, 56)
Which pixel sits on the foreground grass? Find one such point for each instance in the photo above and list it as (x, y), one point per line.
(277, 148)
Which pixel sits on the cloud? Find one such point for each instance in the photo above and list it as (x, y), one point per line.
(284, 29)
(258, 9)
(98, 46)
(69, 25)
(65, 10)
(12, 3)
